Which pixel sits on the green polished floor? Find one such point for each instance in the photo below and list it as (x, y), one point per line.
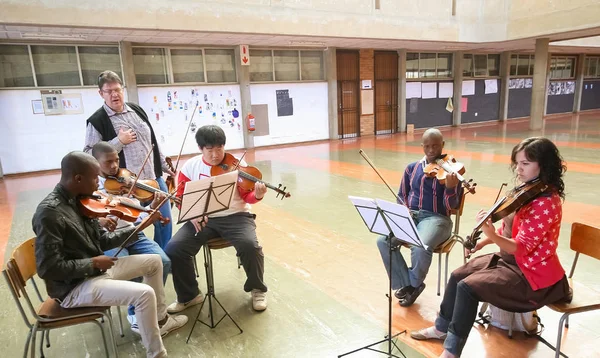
(326, 283)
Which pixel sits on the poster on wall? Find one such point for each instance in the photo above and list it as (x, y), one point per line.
(468, 88)
(429, 90)
(37, 106)
(285, 105)
(177, 112)
(560, 88)
(413, 90)
(446, 89)
(517, 83)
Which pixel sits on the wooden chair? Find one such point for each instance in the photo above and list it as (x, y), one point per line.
(585, 240)
(49, 315)
(212, 244)
(446, 246)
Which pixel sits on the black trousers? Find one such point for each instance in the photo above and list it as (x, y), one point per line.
(239, 229)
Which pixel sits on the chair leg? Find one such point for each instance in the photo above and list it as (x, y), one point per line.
(563, 318)
(510, 327)
(239, 262)
(103, 337)
(567, 322)
(446, 271)
(33, 335)
(112, 336)
(120, 321)
(42, 344)
(48, 339)
(26, 348)
(439, 273)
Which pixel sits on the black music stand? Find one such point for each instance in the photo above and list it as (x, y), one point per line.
(394, 221)
(200, 199)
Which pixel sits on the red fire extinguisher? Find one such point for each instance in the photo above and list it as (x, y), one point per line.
(251, 123)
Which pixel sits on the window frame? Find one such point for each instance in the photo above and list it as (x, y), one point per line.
(487, 64)
(586, 67)
(273, 49)
(79, 69)
(437, 69)
(568, 58)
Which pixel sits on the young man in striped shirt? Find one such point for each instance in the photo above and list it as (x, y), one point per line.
(430, 203)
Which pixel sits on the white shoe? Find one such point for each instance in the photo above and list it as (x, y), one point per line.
(173, 323)
(259, 300)
(177, 307)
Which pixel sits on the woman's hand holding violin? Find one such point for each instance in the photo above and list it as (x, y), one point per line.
(488, 227)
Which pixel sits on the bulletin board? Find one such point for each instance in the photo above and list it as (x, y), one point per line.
(170, 110)
(366, 101)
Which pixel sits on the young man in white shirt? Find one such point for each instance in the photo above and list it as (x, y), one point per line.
(235, 224)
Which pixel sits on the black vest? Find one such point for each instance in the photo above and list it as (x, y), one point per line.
(104, 126)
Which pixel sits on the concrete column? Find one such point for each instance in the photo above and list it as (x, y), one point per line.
(243, 75)
(579, 77)
(504, 79)
(402, 91)
(129, 72)
(332, 91)
(538, 94)
(457, 72)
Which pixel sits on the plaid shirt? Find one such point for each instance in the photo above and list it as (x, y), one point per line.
(135, 152)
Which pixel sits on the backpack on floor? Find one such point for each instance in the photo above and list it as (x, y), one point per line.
(528, 322)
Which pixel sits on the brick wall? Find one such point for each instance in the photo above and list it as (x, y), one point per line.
(367, 72)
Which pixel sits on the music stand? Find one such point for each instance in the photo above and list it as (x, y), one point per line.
(200, 199)
(394, 221)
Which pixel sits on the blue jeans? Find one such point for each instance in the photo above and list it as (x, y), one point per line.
(433, 229)
(143, 245)
(163, 233)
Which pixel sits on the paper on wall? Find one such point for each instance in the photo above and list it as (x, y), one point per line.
(468, 88)
(429, 90)
(491, 86)
(413, 90)
(446, 89)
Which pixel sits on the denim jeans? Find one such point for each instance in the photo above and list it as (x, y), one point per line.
(433, 229)
(163, 233)
(143, 246)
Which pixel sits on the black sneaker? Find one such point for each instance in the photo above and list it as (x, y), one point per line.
(410, 298)
(401, 293)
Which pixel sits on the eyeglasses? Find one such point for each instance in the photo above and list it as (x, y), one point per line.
(110, 92)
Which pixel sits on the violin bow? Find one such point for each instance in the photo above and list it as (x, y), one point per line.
(364, 155)
(139, 173)
(184, 138)
(137, 230)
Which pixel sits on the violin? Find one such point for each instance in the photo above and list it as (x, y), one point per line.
(447, 164)
(247, 177)
(122, 182)
(513, 201)
(95, 206)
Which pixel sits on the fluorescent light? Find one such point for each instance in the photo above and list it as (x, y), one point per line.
(50, 36)
(308, 43)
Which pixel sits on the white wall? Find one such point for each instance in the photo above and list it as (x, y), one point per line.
(310, 118)
(172, 124)
(32, 142)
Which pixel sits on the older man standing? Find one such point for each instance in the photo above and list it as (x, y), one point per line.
(127, 128)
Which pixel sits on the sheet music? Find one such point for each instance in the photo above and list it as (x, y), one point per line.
(198, 192)
(397, 216)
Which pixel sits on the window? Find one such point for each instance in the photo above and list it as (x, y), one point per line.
(94, 60)
(312, 68)
(521, 65)
(428, 65)
(150, 65)
(591, 68)
(187, 65)
(15, 66)
(562, 67)
(220, 65)
(481, 65)
(55, 65)
(261, 65)
(286, 65)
